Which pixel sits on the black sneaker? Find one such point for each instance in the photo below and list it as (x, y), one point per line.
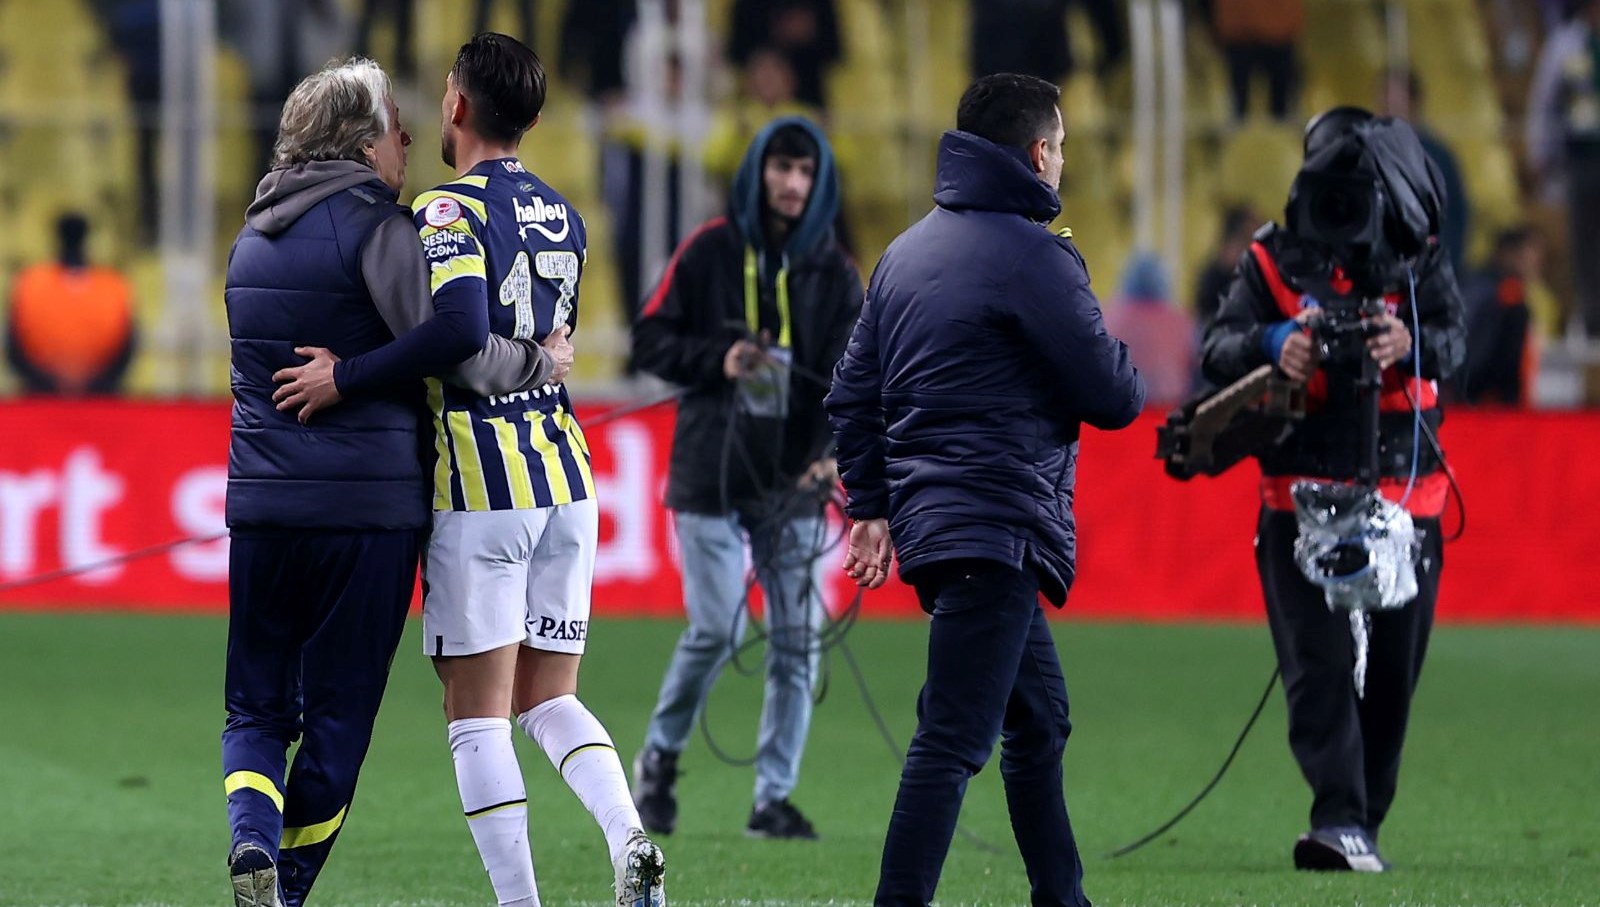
(779, 819)
(1343, 848)
(655, 781)
(255, 877)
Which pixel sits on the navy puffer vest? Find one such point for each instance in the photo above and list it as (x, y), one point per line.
(357, 466)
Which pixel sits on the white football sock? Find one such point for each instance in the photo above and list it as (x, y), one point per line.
(583, 753)
(496, 805)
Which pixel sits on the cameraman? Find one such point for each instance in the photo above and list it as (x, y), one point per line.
(1348, 746)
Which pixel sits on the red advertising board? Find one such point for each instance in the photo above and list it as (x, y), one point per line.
(85, 482)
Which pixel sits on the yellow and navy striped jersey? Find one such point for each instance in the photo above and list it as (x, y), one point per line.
(504, 236)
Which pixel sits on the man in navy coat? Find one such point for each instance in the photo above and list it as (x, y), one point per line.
(956, 411)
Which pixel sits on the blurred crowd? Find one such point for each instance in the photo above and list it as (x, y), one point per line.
(70, 324)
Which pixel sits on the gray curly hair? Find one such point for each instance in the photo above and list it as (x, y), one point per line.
(333, 114)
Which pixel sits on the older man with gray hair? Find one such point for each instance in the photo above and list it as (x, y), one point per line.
(328, 515)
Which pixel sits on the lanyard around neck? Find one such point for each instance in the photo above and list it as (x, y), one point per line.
(752, 298)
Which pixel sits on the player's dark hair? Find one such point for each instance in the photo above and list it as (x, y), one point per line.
(505, 82)
(1009, 109)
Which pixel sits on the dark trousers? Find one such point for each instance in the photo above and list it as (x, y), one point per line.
(313, 625)
(1348, 747)
(405, 48)
(530, 29)
(992, 673)
(1276, 62)
(1583, 210)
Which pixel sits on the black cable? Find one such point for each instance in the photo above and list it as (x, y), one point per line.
(629, 409)
(1449, 474)
(1210, 785)
(140, 554)
(776, 511)
(609, 415)
(888, 738)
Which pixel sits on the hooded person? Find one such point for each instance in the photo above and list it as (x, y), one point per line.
(750, 317)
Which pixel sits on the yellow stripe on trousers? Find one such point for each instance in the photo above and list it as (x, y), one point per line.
(313, 834)
(253, 781)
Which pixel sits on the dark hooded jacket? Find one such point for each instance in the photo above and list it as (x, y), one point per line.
(724, 460)
(979, 352)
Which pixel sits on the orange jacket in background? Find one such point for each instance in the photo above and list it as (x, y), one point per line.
(71, 323)
(1271, 22)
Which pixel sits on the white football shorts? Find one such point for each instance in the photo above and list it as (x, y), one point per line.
(497, 577)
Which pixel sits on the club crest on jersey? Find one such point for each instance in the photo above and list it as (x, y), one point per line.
(442, 212)
(536, 214)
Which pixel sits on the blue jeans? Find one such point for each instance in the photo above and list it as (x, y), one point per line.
(992, 673)
(788, 560)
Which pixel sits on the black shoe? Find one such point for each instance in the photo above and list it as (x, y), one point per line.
(655, 781)
(779, 819)
(255, 878)
(1344, 848)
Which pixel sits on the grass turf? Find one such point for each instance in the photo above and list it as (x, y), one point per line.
(111, 783)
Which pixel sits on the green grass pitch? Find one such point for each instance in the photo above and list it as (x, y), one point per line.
(110, 788)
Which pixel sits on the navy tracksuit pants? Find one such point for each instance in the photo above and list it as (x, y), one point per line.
(315, 618)
(992, 673)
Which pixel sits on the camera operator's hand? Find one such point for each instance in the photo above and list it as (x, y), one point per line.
(1390, 341)
(1296, 359)
(741, 359)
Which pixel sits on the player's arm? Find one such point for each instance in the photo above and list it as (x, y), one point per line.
(455, 273)
(404, 284)
(432, 335)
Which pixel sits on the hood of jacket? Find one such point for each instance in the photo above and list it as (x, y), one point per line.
(816, 222)
(978, 175)
(285, 194)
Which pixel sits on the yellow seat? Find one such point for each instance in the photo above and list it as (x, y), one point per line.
(1257, 164)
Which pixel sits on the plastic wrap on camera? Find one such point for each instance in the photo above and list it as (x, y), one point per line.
(1360, 549)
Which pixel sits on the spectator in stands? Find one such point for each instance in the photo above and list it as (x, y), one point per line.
(623, 172)
(525, 8)
(1160, 336)
(805, 31)
(71, 326)
(280, 41)
(135, 28)
(593, 36)
(1030, 37)
(1500, 339)
(1238, 223)
(1402, 97)
(401, 13)
(1563, 140)
(1259, 36)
